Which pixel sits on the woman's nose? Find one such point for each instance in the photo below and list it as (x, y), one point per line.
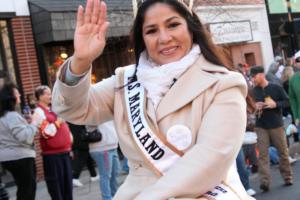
(164, 36)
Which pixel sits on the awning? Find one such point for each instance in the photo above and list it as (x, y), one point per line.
(54, 21)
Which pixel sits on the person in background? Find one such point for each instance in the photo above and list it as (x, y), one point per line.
(287, 73)
(250, 140)
(280, 61)
(3, 192)
(243, 173)
(175, 109)
(294, 63)
(105, 154)
(240, 160)
(56, 141)
(81, 155)
(270, 99)
(271, 74)
(294, 93)
(17, 152)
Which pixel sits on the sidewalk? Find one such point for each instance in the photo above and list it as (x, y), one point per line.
(89, 191)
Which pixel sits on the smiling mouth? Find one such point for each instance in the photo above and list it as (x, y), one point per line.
(168, 51)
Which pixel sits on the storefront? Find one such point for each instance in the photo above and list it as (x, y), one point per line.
(237, 38)
(242, 28)
(116, 54)
(54, 26)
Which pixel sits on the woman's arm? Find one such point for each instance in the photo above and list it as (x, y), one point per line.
(219, 139)
(89, 37)
(83, 103)
(20, 129)
(80, 103)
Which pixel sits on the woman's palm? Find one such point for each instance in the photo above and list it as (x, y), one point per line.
(89, 38)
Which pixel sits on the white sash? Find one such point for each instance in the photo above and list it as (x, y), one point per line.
(157, 152)
(160, 154)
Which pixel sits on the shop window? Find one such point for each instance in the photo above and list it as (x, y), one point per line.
(117, 53)
(7, 67)
(55, 55)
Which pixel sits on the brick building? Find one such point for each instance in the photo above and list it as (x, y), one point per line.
(18, 54)
(18, 59)
(241, 26)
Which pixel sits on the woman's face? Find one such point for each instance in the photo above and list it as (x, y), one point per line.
(165, 34)
(46, 97)
(17, 96)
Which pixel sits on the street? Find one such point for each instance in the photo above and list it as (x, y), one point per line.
(90, 190)
(277, 190)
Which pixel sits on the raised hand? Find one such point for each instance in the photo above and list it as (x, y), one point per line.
(89, 38)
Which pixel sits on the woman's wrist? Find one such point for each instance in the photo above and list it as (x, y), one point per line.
(79, 66)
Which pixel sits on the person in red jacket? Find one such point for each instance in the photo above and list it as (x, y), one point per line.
(56, 141)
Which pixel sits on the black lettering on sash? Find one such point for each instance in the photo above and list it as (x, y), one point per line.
(139, 122)
(134, 99)
(134, 107)
(132, 79)
(214, 194)
(158, 154)
(130, 87)
(135, 115)
(151, 147)
(145, 138)
(221, 189)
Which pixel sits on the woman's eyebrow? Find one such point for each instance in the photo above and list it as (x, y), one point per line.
(167, 20)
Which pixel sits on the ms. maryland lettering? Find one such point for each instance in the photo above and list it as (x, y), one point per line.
(146, 140)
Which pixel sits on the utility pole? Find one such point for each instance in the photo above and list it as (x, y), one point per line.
(293, 34)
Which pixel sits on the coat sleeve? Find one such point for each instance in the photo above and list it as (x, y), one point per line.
(83, 103)
(283, 101)
(20, 129)
(219, 139)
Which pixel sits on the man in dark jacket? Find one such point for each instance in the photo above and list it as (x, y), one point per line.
(270, 99)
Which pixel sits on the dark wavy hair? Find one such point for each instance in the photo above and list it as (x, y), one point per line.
(200, 34)
(8, 99)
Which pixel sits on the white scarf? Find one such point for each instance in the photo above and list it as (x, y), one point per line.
(157, 79)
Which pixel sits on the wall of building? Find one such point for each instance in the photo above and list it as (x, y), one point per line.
(209, 12)
(20, 7)
(26, 54)
(227, 2)
(24, 51)
(23, 43)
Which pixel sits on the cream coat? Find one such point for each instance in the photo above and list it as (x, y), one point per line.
(208, 99)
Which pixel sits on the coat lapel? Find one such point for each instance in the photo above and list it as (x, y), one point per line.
(192, 83)
(151, 113)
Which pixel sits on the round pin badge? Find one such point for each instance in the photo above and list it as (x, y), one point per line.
(180, 136)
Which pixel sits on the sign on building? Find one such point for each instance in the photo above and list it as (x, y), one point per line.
(231, 32)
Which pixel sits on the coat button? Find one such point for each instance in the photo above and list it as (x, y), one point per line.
(136, 166)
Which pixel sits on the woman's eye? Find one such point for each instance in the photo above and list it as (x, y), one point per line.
(173, 25)
(150, 31)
